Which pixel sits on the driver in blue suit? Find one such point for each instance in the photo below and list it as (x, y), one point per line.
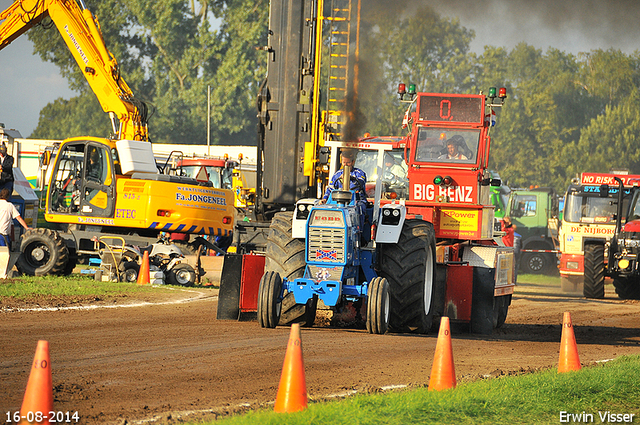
(358, 177)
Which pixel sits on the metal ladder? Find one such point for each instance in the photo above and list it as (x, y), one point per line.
(340, 59)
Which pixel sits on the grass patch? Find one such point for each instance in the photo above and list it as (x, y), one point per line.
(537, 398)
(539, 279)
(73, 285)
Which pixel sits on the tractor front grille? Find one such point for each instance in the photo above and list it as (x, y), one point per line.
(326, 245)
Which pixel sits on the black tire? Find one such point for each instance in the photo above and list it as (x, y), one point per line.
(593, 271)
(71, 264)
(286, 256)
(269, 302)
(410, 268)
(502, 309)
(43, 252)
(181, 274)
(536, 263)
(129, 271)
(311, 309)
(378, 306)
(627, 288)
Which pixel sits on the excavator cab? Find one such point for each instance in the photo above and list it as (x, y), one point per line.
(83, 181)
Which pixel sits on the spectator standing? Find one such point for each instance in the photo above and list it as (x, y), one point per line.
(511, 238)
(509, 229)
(8, 212)
(6, 169)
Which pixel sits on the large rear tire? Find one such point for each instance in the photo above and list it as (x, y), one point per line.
(269, 303)
(410, 268)
(286, 256)
(378, 306)
(627, 288)
(43, 252)
(593, 271)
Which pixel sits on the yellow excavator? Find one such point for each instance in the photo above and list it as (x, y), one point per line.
(106, 187)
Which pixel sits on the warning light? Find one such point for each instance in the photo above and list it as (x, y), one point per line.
(164, 213)
(402, 89)
(412, 89)
(502, 93)
(492, 92)
(443, 181)
(226, 220)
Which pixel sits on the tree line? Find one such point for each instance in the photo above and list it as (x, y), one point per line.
(565, 114)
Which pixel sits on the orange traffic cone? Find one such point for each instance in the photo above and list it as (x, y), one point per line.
(569, 359)
(143, 274)
(443, 372)
(38, 398)
(292, 392)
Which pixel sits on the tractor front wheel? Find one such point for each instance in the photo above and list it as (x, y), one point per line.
(286, 256)
(269, 302)
(378, 306)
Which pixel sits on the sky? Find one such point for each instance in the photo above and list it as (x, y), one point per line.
(27, 83)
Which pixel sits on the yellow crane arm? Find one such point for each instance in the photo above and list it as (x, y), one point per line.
(80, 30)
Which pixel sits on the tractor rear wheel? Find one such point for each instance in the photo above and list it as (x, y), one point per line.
(286, 256)
(43, 252)
(593, 271)
(627, 288)
(378, 306)
(269, 303)
(410, 268)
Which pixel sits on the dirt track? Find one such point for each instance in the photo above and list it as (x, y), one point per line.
(176, 361)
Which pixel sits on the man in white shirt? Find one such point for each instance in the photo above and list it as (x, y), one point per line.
(8, 212)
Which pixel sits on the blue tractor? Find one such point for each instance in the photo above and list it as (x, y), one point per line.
(340, 261)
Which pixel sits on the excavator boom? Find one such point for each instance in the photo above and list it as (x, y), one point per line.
(80, 30)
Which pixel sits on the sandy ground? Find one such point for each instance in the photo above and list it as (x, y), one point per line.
(168, 359)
